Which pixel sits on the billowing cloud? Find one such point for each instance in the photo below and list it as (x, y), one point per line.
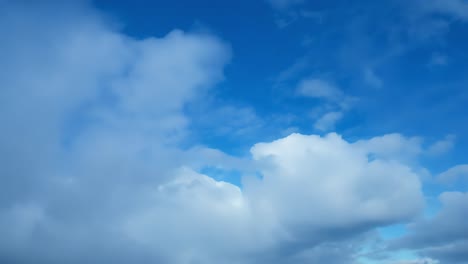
(302, 168)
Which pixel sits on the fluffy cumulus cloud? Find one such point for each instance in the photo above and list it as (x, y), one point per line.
(95, 166)
(305, 184)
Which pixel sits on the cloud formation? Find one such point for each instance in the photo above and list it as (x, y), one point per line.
(96, 168)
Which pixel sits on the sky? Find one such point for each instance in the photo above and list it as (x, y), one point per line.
(237, 132)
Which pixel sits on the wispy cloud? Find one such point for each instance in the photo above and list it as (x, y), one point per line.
(334, 100)
(284, 4)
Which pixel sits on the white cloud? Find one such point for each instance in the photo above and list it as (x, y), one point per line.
(195, 218)
(117, 101)
(305, 185)
(94, 169)
(302, 193)
(392, 146)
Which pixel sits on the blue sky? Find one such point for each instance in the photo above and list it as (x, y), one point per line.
(387, 55)
(266, 131)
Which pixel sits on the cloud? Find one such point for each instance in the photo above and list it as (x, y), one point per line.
(328, 121)
(317, 88)
(336, 102)
(284, 4)
(393, 146)
(297, 170)
(454, 174)
(96, 167)
(454, 8)
(195, 218)
(444, 236)
(417, 261)
(442, 146)
(372, 79)
(299, 66)
(94, 117)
